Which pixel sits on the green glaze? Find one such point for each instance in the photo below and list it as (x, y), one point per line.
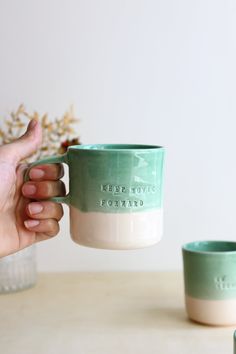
(113, 178)
(210, 269)
(234, 342)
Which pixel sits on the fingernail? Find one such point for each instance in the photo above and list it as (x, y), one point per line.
(31, 223)
(36, 173)
(35, 208)
(32, 124)
(29, 189)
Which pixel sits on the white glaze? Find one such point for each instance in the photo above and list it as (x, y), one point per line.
(212, 312)
(116, 230)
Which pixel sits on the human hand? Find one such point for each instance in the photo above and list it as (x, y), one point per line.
(25, 217)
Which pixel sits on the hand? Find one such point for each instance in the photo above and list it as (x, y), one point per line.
(24, 221)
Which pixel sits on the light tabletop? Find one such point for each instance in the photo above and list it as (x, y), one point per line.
(106, 313)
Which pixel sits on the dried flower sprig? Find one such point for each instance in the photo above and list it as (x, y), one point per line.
(58, 134)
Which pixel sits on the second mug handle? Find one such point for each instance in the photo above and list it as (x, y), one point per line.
(49, 160)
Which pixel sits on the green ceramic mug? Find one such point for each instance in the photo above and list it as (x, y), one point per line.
(210, 281)
(115, 194)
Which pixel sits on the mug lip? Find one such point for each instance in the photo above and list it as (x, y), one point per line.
(116, 147)
(187, 247)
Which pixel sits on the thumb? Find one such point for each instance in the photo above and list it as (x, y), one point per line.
(23, 147)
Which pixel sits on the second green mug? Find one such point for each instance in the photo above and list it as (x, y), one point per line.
(210, 281)
(115, 194)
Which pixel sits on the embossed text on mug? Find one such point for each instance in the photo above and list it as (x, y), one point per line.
(113, 188)
(121, 203)
(222, 283)
(139, 189)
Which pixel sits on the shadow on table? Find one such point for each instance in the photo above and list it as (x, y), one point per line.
(171, 318)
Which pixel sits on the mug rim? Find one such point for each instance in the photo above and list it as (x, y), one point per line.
(116, 147)
(191, 247)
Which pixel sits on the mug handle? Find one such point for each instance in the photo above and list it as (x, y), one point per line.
(49, 160)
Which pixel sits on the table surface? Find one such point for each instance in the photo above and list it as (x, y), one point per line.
(105, 313)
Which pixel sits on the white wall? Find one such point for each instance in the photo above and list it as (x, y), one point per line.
(159, 72)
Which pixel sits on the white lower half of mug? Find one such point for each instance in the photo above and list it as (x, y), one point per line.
(116, 231)
(211, 312)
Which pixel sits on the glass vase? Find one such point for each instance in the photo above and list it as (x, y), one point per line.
(18, 271)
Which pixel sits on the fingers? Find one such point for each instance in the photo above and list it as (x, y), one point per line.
(46, 228)
(43, 216)
(50, 172)
(44, 182)
(43, 219)
(43, 189)
(44, 210)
